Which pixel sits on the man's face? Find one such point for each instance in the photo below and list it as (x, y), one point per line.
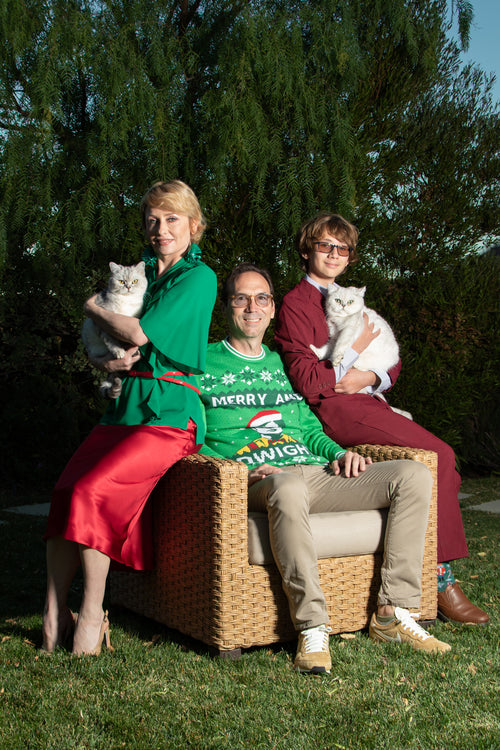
(250, 322)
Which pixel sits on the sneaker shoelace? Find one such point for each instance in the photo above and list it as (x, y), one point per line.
(315, 639)
(407, 620)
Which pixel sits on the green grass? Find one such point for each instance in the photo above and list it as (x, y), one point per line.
(161, 690)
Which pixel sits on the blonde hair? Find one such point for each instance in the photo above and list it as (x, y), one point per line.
(177, 197)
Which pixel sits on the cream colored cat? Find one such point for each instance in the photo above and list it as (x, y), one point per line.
(344, 308)
(124, 294)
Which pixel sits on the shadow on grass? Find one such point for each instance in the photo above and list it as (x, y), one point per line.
(21, 603)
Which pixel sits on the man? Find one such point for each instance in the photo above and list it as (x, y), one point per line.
(253, 415)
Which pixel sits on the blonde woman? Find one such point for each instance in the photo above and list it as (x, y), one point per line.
(99, 510)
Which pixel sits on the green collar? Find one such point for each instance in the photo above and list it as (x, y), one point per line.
(192, 256)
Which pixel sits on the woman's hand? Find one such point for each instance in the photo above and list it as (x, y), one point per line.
(352, 464)
(89, 305)
(355, 380)
(367, 335)
(262, 471)
(126, 363)
(125, 328)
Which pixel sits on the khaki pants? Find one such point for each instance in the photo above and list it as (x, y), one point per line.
(291, 495)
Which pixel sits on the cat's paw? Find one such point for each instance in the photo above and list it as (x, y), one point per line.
(111, 388)
(117, 351)
(317, 352)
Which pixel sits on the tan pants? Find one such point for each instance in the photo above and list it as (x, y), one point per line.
(291, 495)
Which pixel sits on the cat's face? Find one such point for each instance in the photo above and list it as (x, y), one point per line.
(324, 268)
(345, 301)
(127, 280)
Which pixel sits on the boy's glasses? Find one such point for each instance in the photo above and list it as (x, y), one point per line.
(327, 248)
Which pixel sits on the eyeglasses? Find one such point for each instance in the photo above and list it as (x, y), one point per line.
(242, 300)
(327, 248)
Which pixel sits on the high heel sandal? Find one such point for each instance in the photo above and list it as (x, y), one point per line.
(104, 636)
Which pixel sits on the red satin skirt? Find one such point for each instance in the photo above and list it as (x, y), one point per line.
(100, 500)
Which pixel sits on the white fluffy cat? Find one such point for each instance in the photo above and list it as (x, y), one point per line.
(344, 308)
(124, 294)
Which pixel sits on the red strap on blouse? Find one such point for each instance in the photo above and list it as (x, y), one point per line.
(169, 376)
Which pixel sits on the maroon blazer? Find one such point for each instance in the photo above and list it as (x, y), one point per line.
(360, 418)
(301, 321)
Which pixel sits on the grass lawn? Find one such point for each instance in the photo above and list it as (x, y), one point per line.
(161, 690)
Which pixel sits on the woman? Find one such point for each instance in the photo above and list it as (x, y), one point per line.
(99, 511)
(327, 245)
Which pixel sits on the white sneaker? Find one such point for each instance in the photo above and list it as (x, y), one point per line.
(313, 654)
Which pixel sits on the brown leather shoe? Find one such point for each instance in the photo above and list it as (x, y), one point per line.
(453, 606)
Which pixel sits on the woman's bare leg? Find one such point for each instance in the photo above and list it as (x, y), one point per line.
(95, 567)
(63, 559)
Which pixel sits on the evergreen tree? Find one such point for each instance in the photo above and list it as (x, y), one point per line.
(269, 110)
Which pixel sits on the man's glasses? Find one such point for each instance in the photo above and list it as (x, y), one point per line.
(327, 248)
(242, 300)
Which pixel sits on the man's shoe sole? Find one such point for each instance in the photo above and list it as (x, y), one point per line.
(313, 670)
(444, 618)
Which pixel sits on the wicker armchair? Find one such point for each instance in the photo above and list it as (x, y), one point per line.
(203, 584)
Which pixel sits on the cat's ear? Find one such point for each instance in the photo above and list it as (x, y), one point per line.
(141, 266)
(362, 290)
(113, 267)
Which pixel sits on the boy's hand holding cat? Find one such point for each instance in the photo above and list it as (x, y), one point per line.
(355, 380)
(367, 335)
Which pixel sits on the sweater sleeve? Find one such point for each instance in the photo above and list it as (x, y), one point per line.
(314, 437)
(177, 321)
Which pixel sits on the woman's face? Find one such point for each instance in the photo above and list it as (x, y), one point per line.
(324, 268)
(169, 233)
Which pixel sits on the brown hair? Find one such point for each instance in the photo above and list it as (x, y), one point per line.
(174, 196)
(228, 285)
(326, 223)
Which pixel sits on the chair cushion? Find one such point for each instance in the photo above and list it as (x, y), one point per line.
(342, 534)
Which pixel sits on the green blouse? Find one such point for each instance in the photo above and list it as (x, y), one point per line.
(176, 319)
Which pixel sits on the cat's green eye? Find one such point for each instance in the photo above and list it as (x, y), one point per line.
(338, 301)
(350, 301)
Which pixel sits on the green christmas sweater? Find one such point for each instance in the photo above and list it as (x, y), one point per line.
(253, 414)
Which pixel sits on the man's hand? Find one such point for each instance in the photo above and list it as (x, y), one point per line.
(352, 463)
(262, 471)
(355, 380)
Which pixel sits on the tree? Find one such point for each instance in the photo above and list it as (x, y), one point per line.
(270, 110)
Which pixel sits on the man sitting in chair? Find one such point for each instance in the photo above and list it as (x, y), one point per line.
(254, 416)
